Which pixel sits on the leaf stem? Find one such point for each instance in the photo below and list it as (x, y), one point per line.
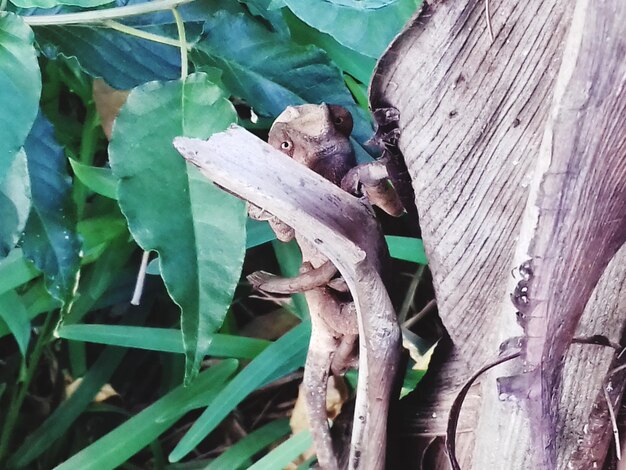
(88, 142)
(98, 16)
(182, 38)
(18, 398)
(117, 26)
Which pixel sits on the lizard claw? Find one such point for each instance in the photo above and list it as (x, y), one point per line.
(258, 278)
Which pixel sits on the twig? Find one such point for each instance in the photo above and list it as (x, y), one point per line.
(182, 38)
(618, 450)
(408, 300)
(141, 277)
(139, 33)
(455, 409)
(430, 306)
(98, 16)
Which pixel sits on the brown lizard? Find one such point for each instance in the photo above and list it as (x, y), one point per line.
(318, 136)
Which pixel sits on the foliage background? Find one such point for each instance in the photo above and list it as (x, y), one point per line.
(87, 379)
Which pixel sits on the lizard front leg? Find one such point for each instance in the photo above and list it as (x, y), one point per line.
(283, 231)
(373, 180)
(309, 278)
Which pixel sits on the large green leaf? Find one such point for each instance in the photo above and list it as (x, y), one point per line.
(14, 203)
(270, 71)
(349, 60)
(277, 360)
(122, 60)
(116, 447)
(50, 237)
(20, 87)
(197, 229)
(365, 26)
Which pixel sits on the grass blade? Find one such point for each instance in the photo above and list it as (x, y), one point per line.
(62, 418)
(279, 359)
(407, 249)
(285, 453)
(237, 455)
(161, 339)
(116, 447)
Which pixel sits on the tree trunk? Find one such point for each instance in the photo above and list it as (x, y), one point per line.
(516, 149)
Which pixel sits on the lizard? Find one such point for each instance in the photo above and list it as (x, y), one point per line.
(318, 136)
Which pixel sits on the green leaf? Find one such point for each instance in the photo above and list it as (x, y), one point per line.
(240, 453)
(407, 249)
(96, 279)
(98, 232)
(67, 412)
(270, 71)
(20, 87)
(123, 442)
(16, 270)
(161, 339)
(285, 453)
(197, 229)
(358, 65)
(258, 233)
(420, 353)
(36, 300)
(282, 357)
(365, 26)
(54, 3)
(99, 180)
(14, 203)
(50, 238)
(14, 314)
(122, 60)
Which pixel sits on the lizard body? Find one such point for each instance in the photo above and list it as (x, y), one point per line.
(318, 137)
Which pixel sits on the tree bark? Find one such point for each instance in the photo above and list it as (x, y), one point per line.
(491, 130)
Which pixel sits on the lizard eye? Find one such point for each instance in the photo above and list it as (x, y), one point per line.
(285, 145)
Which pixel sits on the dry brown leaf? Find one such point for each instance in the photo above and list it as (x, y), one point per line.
(271, 325)
(108, 103)
(106, 392)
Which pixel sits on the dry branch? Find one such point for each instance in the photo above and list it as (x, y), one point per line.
(345, 231)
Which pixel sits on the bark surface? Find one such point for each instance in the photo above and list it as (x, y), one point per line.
(491, 130)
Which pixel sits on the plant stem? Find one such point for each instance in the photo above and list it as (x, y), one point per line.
(98, 16)
(88, 142)
(182, 37)
(142, 34)
(18, 398)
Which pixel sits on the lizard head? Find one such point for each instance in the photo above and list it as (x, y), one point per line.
(318, 136)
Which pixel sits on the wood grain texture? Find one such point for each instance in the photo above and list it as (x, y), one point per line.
(472, 116)
(576, 216)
